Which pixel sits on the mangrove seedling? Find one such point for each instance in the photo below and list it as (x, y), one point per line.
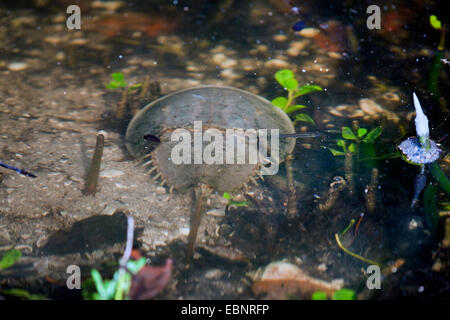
(118, 82)
(287, 79)
(234, 202)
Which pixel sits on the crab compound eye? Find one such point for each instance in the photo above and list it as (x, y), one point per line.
(151, 138)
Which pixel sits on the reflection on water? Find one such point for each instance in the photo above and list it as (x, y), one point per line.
(54, 100)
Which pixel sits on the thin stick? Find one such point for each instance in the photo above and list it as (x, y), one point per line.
(354, 255)
(292, 198)
(94, 170)
(129, 245)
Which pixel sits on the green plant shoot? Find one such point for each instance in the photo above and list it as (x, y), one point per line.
(287, 79)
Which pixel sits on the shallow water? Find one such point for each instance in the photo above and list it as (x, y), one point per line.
(54, 102)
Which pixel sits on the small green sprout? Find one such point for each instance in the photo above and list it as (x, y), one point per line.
(287, 79)
(358, 136)
(435, 22)
(232, 202)
(118, 287)
(118, 81)
(10, 258)
(342, 294)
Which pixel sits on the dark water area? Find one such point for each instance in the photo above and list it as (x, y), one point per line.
(284, 237)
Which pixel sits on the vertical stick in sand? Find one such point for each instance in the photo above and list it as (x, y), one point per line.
(94, 170)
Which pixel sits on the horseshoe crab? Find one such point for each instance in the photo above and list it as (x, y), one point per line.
(219, 108)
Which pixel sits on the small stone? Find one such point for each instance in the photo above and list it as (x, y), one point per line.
(111, 173)
(161, 190)
(309, 32)
(54, 40)
(17, 66)
(79, 42)
(322, 267)
(280, 37)
(228, 64)
(108, 5)
(219, 58)
(229, 74)
(335, 55)
(296, 47)
(277, 64)
(216, 212)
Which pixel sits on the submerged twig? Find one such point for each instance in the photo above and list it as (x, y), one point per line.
(94, 170)
(292, 198)
(349, 172)
(371, 192)
(333, 193)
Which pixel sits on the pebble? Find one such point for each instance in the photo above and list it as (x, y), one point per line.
(219, 58)
(161, 190)
(335, 55)
(111, 173)
(17, 66)
(111, 6)
(309, 32)
(216, 212)
(228, 64)
(229, 74)
(79, 42)
(276, 64)
(296, 47)
(280, 37)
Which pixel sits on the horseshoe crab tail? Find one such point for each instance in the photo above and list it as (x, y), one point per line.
(201, 193)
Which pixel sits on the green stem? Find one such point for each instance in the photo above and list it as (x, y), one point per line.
(440, 177)
(352, 222)
(354, 255)
(290, 99)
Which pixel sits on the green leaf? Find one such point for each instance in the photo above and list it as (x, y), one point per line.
(344, 294)
(96, 276)
(341, 143)
(304, 117)
(319, 295)
(239, 203)
(23, 294)
(336, 152)
(291, 84)
(348, 134)
(280, 102)
(10, 258)
(135, 266)
(352, 148)
(361, 132)
(118, 77)
(282, 75)
(372, 135)
(226, 195)
(294, 108)
(435, 23)
(134, 86)
(307, 88)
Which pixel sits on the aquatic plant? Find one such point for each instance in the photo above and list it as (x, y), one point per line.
(342, 294)
(287, 79)
(118, 81)
(10, 258)
(233, 202)
(353, 138)
(133, 279)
